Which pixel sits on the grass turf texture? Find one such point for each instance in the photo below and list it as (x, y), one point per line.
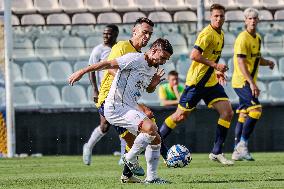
(69, 172)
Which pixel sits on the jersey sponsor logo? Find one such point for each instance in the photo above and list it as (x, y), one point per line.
(216, 52)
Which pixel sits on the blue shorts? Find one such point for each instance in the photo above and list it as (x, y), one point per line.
(120, 130)
(192, 95)
(246, 100)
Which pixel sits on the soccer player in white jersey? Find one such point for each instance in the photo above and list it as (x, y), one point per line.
(137, 73)
(99, 53)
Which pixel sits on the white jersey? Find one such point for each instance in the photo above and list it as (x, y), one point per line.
(132, 79)
(98, 54)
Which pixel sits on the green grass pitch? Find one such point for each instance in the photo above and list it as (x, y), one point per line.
(69, 172)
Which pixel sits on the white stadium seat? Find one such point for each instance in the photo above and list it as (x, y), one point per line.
(229, 4)
(32, 19)
(231, 68)
(263, 97)
(179, 44)
(173, 5)
(93, 41)
(59, 18)
(181, 16)
(72, 48)
(279, 15)
(265, 15)
(242, 4)
(229, 40)
(15, 20)
(149, 5)
(264, 73)
(182, 66)
(273, 4)
(23, 49)
(231, 93)
(234, 15)
(160, 16)
(2, 96)
(47, 48)
(59, 71)
(97, 5)
(276, 89)
(47, 6)
(72, 6)
(273, 44)
(23, 6)
(192, 4)
(48, 96)
(131, 17)
(281, 66)
(24, 97)
(17, 74)
(74, 96)
(83, 18)
(109, 18)
(79, 65)
(34, 73)
(123, 5)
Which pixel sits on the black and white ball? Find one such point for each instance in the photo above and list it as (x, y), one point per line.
(178, 156)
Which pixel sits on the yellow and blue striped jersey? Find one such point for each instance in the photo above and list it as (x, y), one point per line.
(119, 49)
(210, 43)
(248, 47)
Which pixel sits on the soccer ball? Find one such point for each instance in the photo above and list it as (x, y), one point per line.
(178, 156)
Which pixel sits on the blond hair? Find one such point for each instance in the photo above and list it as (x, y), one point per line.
(251, 12)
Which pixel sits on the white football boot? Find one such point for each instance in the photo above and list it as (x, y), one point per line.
(220, 158)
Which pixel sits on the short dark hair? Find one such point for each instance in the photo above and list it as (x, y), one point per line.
(144, 20)
(217, 6)
(173, 72)
(164, 44)
(113, 27)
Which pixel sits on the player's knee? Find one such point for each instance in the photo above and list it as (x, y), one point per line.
(228, 115)
(104, 127)
(150, 128)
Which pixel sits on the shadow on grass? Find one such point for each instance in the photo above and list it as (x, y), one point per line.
(232, 181)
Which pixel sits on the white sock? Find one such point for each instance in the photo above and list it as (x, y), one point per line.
(95, 137)
(140, 144)
(122, 146)
(152, 155)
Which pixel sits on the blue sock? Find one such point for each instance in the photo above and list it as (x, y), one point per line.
(164, 131)
(238, 132)
(221, 133)
(248, 127)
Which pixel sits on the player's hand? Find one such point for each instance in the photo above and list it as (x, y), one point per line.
(222, 78)
(254, 90)
(146, 110)
(221, 67)
(76, 76)
(158, 77)
(95, 99)
(270, 64)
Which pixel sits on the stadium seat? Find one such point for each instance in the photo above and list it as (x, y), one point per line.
(150, 5)
(234, 15)
(231, 68)
(182, 66)
(58, 18)
(90, 94)
(34, 73)
(265, 15)
(47, 48)
(109, 18)
(276, 89)
(123, 5)
(72, 6)
(32, 19)
(93, 41)
(263, 97)
(279, 15)
(281, 66)
(228, 49)
(179, 44)
(264, 73)
(236, 27)
(167, 29)
(273, 44)
(242, 4)
(190, 40)
(169, 66)
(150, 99)
(74, 96)
(131, 17)
(273, 4)
(182, 16)
(160, 16)
(79, 65)
(47, 6)
(22, 6)
(24, 97)
(191, 4)
(83, 18)
(231, 93)
(59, 71)
(173, 5)
(73, 48)
(15, 20)
(97, 5)
(83, 31)
(48, 96)
(17, 75)
(2, 96)
(229, 4)
(187, 28)
(23, 49)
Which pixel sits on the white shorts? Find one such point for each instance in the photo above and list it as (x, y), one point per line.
(126, 117)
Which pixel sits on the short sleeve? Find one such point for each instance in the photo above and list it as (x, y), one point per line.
(127, 61)
(94, 57)
(202, 41)
(240, 47)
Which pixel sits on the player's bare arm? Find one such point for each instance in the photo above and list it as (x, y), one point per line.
(243, 67)
(157, 78)
(103, 65)
(265, 62)
(197, 56)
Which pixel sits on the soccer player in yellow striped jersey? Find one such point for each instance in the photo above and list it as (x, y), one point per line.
(202, 83)
(247, 58)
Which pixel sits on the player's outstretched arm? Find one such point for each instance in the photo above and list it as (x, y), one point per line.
(76, 76)
(156, 79)
(265, 62)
